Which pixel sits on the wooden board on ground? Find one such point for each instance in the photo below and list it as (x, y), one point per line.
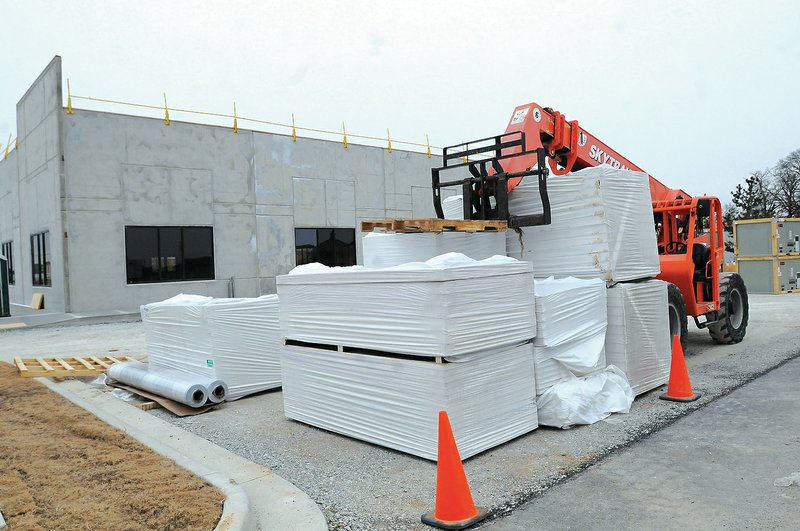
(433, 225)
(77, 366)
(37, 302)
(181, 410)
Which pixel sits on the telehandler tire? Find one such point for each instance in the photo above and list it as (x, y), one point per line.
(678, 325)
(734, 310)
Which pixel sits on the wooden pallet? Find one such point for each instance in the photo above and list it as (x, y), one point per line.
(433, 225)
(64, 367)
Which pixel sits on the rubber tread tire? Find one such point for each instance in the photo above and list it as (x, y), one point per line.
(723, 331)
(675, 299)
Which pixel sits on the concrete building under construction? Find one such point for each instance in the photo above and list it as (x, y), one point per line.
(103, 212)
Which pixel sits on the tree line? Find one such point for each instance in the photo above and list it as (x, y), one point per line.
(772, 192)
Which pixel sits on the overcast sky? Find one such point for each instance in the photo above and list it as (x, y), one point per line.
(697, 93)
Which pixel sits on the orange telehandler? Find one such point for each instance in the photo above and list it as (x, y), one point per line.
(689, 230)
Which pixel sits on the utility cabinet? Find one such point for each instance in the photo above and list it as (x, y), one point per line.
(5, 305)
(770, 274)
(766, 237)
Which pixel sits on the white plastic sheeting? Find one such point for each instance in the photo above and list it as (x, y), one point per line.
(246, 340)
(602, 226)
(638, 339)
(233, 340)
(568, 309)
(394, 402)
(189, 389)
(571, 329)
(453, 207)
(433, 308)
(386, 249)
(585, 400)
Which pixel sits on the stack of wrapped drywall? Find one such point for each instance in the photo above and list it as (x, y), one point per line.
(394, 402)
(571, 329)
(638, 339)
(602, 226)
(233, 340)
(375, 353)
(433, 308)
(453, 207)
(246, 342)
(387, 249)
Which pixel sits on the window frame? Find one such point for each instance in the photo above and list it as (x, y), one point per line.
(40, 276)
(162, 258)
(7, 249)
(335, 250)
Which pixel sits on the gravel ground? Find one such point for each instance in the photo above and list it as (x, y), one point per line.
(361, 486)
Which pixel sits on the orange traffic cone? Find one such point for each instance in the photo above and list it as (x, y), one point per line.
(454, 506)
(679, 388)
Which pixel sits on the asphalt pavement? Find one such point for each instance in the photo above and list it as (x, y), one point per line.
(734, 464)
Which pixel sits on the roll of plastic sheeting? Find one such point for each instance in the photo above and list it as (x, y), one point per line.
(569, 309)
(185, 388)
(432, 308)
(585, 400)
(387, 249)
(453, 207)
(245, 340)
(393, 402)
(602, 226)
(638, 339)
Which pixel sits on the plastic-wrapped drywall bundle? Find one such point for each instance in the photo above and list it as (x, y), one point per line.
(637, 340)
(189, 389)
(387, 249)
(568, 309)
(393, 402)
(245, 341)
(433, 308)
(585, 400)
(177, 336)
(602, 226)
(570, 329)
(453, 207)
(233, 340)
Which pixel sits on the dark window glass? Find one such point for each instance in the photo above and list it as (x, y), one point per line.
(141, 254)
(169, 251)
(331, 247)
(198, 252)
(9, 254)
(305, 246)
(169, 254)
(40, 259)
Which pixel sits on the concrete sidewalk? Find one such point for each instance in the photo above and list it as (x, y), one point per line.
(716, 468)
(256, 498)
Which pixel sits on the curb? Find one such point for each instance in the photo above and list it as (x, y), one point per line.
(255, 497)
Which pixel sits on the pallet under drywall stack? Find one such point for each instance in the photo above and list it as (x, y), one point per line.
(387, 249)
(638, 339)
(571, 329)
(374, 354)
(602, 226)
(233, 340)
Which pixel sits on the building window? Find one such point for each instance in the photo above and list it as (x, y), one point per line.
(40, 258)
(169, 254)
(9, 254)
(331, 247)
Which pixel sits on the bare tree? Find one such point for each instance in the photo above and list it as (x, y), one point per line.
(756, 199)
(787, 185)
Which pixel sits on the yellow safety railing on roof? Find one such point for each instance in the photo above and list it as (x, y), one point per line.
(292, 128)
